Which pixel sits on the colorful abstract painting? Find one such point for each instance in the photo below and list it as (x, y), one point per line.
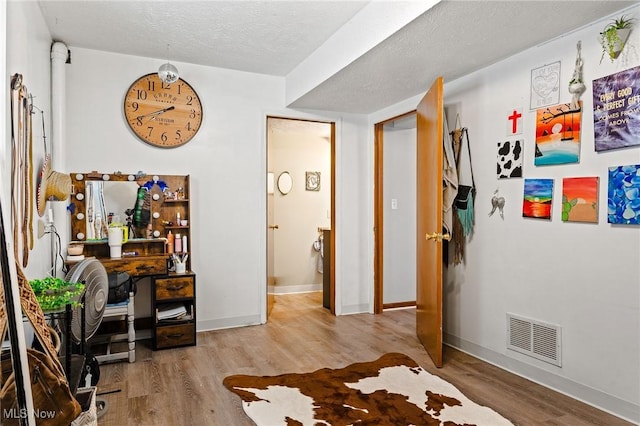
(623, 204)
(509, 159)
(538, 197)
(557, 135)
(580, 199)
(616, 110)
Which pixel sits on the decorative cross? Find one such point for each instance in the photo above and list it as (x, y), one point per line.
(514, 117)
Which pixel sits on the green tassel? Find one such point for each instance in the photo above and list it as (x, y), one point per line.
(466, 217)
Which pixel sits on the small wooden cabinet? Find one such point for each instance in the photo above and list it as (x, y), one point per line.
(174, 310)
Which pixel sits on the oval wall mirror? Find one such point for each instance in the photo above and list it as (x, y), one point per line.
(285, 183)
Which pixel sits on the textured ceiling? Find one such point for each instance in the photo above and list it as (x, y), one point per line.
(266, 37)
(451, 39)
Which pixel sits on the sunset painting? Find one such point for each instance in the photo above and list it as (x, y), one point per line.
(557, 135)
(538, 196)
(580, 199)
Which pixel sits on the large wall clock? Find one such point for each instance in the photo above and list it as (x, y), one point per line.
(161, 114)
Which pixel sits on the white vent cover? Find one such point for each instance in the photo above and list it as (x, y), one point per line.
(534, 338)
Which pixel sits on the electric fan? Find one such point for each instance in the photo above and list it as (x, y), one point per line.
(92, 274)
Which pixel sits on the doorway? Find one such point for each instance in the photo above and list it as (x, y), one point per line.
(395, 212)
(300, 208)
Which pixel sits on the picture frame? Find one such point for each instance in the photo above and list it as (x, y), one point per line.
(312, 181)
(545, 86)
(616, 115)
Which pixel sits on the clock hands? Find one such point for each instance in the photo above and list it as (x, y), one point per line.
(155, 113)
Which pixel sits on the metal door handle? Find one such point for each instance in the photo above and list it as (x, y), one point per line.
(273, 227)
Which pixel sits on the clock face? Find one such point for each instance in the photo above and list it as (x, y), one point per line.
(161, 114)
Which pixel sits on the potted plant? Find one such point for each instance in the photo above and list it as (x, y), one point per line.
(614, 36)
(53, 294)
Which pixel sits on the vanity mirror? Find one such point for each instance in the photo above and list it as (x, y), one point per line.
(100, 198)
(106, 202)
(150, 207)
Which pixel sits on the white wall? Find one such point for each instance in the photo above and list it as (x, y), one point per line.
(27, 50)
(583, 277)
(227, 164)
(300, 213)
(354, 220)
(399, 269)
(225, 161)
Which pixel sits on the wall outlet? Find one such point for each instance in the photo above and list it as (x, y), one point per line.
(394, 204)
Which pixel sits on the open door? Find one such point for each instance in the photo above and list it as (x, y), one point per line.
(283, 219)
(429, 221)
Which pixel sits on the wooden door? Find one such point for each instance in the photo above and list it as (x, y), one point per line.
(429, 221)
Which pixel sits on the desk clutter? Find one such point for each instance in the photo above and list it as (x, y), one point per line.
(152, 241)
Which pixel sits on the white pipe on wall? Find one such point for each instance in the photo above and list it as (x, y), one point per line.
(59, 55)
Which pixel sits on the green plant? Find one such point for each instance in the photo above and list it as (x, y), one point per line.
(610, 39)
(54, 293)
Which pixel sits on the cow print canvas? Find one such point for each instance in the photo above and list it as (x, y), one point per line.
(510, 159)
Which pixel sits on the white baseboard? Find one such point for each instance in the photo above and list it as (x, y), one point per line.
(292, 289)
(601, 400)
(222, 323)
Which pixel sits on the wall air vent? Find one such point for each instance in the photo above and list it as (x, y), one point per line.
(534, 338)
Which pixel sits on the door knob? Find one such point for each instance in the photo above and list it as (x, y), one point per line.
(437, 236)
(273, 226)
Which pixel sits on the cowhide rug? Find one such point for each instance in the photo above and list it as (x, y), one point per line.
(392, 390)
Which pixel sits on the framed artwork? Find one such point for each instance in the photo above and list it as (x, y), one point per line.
(623, 204)
(557, 135)
(616, 110)
(509, 163)
(580, 199)
(312, 180)
(537, 198)
(545, 85)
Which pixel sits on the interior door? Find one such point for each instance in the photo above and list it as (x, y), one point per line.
(429, 221)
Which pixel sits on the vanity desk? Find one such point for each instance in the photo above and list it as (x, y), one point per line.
(99, 199)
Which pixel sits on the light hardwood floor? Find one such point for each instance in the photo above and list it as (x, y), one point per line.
(184, 386)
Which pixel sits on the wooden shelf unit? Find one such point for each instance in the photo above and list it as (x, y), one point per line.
(169, 291)
(153, 256)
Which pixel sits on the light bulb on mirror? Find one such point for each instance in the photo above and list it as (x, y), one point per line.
(168, 73)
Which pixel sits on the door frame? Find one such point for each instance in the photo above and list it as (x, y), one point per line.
(378, 217)
(332, 244)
